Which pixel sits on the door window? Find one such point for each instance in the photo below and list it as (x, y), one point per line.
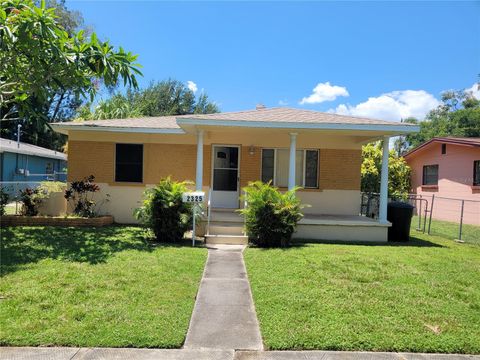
(225, 168)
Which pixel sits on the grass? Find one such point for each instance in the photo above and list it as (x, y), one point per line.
(95, 287)
(422, 296)
(450, 230)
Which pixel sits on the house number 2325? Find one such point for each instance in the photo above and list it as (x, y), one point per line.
(193, 197)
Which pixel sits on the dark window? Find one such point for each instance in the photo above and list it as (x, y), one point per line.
(129, 163)
(444, 149)
(476, 173)
(430, 175)
(311, 168)
(268, 164)
(48, 168)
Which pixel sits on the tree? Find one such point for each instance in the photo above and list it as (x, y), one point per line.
(457, 115)
(167, 97)
(70, 20)
(398, 171)
(46, 71)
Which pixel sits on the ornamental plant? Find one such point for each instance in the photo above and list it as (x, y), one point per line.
(3, 200)
(81, 195)
(271, 216)
(30, 199)
(164, 212)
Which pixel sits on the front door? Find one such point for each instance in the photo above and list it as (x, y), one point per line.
(225, 177)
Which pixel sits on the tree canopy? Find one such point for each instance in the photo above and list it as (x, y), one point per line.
(47, 68)
(167, 97)
(458, 115)
(398, 171)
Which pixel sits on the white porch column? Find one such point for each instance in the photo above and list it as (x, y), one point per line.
(382, 216)
(199, 173)
(291, 163)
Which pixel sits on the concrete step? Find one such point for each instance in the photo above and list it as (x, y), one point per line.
(226, 228)
(226, 239)
(228, 216)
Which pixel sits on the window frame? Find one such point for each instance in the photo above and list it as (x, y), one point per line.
(115, 165)
(475, 175)
(444, 149)
(424, 177)
(304, 151)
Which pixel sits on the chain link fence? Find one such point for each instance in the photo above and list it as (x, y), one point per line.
(451, 218)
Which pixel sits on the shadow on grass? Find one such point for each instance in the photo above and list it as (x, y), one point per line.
(414, 242)
(24, 245)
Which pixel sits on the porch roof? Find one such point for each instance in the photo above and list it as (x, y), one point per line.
(280, 118)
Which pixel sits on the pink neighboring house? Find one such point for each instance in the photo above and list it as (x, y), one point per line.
(449, 168)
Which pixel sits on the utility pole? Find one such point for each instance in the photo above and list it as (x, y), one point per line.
(19, 130)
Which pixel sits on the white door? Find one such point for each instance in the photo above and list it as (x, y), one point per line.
(225, 177)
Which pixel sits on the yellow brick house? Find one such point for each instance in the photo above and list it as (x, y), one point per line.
(220, 153)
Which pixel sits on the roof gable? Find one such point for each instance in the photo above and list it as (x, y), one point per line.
(460, 141)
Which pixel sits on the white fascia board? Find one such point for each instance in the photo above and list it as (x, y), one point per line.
(401, 129)
(118, 129)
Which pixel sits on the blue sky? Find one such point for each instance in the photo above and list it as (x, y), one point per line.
(379, 59)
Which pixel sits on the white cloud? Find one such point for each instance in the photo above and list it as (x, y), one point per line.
(394, 106)
(324, 92)
(475, 90)
(192, 86)
(283, 102)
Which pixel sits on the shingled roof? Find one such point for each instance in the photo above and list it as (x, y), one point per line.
(279, 116)
(11, 146)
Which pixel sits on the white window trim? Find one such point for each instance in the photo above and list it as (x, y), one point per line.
(274, 183)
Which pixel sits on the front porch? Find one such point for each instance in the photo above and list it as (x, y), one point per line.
(328, 179)
(226, 226)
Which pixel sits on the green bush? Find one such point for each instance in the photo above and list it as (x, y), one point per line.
(164, 212)
(30, 199)
(271, 216)
(3, 200)
(48, 187)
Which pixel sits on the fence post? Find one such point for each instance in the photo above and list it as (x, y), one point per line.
(16, 198)
(461, 222)
(431, 211)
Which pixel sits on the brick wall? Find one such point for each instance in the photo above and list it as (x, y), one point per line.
(339, 169)
(91, 158)
(98, 159)
(249, 165)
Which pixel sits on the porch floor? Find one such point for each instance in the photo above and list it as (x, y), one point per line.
(227, 224)
(345, 220)
(233, 216)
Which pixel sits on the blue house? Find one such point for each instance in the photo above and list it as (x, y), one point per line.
(24, 165)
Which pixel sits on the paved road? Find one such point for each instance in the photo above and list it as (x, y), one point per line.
(224, 316)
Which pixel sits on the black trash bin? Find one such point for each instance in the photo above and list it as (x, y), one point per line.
(400, 215)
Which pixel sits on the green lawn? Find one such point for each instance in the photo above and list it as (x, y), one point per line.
(450, 230)
(423, 296)
(95, 287)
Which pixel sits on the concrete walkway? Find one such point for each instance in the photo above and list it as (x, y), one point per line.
(224, 316)
(35, 353)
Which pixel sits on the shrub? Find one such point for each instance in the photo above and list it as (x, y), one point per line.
(48, 187)
(3, 200)
(270, 216)
(30, 199)
(164, 212)
(81, 195)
